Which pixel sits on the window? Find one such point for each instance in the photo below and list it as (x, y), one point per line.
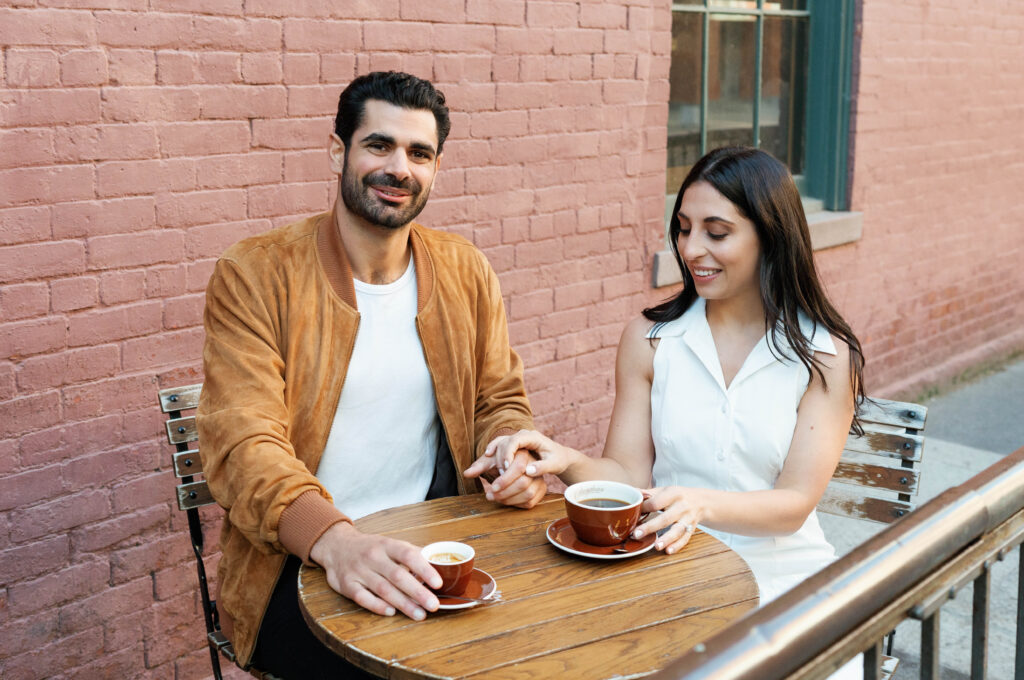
(744, 72)
(768, 73)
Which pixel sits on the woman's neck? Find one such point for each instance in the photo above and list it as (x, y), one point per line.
(739, 313)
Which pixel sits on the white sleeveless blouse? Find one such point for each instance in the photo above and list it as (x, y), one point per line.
(735, 438)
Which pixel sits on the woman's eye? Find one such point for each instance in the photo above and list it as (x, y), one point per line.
(684, 232)
(717, 237)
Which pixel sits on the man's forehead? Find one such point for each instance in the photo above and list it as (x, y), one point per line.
(399, 123)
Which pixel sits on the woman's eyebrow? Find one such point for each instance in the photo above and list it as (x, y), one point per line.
(713, 219)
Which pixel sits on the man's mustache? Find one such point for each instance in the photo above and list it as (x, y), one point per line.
(383, 179)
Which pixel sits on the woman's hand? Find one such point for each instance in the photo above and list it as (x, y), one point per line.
(553, 458)
(682, 509)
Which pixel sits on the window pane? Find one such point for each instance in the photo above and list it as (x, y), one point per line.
(732, 41)
(786, 4)
(687, 2)
(784, 89)
(734, 4)
(684, 98)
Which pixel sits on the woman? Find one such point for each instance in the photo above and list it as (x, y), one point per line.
(735, 396)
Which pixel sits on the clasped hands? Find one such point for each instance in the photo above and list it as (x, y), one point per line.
(385, 575)
(675, 509)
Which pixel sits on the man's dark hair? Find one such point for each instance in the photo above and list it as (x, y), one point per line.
(393, 87)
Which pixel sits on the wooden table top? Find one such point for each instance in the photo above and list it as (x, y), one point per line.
(560, 615)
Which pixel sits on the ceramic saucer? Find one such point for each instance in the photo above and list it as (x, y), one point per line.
(481, 586)
(561, 535)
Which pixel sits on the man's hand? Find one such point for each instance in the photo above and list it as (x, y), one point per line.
(378, 573)
(513, 486)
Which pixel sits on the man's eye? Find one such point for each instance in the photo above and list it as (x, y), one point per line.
(376, 146)
(421, 155)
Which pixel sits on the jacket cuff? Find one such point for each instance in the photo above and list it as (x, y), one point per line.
(305, 521)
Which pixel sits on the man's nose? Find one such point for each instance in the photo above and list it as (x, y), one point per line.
(397, 165)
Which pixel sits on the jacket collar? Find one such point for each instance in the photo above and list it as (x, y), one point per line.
(338, 271)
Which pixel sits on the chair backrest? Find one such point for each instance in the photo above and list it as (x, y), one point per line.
(878, 475)
(193, 494)
(182, 434)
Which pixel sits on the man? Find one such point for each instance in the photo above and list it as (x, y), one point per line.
(354, 361)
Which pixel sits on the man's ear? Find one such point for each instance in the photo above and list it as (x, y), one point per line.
(437, 166)
(336, 153)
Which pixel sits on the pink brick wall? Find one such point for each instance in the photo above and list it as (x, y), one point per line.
(936, 284)
(138, 140)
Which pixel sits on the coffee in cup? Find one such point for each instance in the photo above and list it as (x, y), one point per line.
(603, 513)
(454, 562)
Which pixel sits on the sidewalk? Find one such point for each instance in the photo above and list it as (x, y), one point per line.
(968, 429)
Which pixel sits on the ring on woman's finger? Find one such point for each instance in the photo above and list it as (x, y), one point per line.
(689, 528)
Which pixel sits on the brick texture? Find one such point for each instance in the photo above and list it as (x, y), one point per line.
(139, 139)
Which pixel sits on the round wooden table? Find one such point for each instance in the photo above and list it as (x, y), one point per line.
(559, 615)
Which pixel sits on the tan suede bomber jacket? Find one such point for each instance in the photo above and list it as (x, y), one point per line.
(281, 322)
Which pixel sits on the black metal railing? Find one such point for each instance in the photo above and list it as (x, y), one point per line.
(908, 571)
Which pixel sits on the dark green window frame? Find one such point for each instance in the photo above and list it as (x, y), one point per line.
(830, 47)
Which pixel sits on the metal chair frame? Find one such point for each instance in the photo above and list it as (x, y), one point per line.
(193, 494)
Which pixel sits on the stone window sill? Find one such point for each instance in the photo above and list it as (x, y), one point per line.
(828, 229)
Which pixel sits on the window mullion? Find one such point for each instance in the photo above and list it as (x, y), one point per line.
(758, 65)
(706, 30)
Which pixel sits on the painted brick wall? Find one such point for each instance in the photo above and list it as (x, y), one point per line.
(139, 139)
(936, 284)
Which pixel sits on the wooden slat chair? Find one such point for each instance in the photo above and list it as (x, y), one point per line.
(878, 475)
(193, 494)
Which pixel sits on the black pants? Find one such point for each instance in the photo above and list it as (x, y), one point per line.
(287, 647)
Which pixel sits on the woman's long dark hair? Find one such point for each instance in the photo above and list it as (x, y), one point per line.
(762, 189)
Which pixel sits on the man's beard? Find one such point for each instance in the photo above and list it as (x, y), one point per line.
(360, 200)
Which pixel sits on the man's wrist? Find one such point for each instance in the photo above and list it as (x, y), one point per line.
(339, 531)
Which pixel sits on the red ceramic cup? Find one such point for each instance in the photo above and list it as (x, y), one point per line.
(603, 513)
(454, 562)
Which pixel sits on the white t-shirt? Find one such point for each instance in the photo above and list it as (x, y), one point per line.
(384, 439)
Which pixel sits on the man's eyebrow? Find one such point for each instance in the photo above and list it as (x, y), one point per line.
(390, 141)
(378, 137)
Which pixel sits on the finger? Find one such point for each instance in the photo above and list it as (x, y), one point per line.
(410, 560)
(367, 600)
(680, 531)
(384, 589)
(505, 485)
(479, 466)
(488, 490)
(655, 522)
(409, 586)
(544, 466)
(533, 495)
(679, 543)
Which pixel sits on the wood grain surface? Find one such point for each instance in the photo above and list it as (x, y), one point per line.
(559, 615)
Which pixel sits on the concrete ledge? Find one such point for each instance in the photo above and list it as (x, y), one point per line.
(828, 229)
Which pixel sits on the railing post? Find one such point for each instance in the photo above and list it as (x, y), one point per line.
(873, 661)
(930, 646)
(1019, 671)
(979, 625)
